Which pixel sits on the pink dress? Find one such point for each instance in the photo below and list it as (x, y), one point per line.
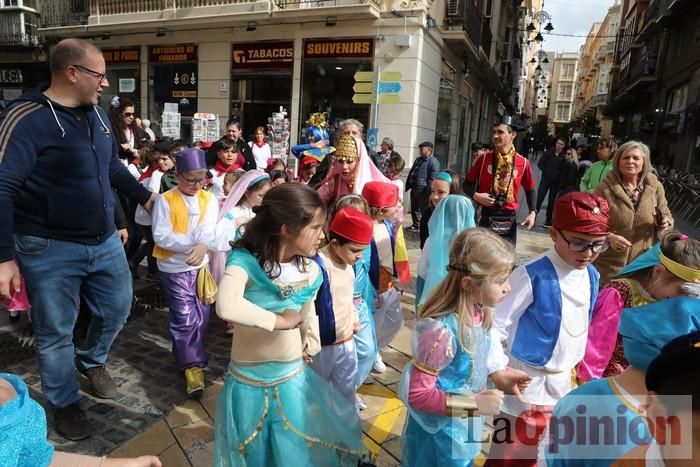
(605, 355)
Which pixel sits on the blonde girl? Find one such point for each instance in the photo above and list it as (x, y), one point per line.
(445, 385)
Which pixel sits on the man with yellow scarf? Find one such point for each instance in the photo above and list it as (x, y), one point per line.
(495, 180)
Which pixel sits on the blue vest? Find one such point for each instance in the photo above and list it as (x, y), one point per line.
(324, 306)
(538, 328)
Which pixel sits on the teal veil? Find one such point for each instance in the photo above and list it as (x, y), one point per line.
(452, 215)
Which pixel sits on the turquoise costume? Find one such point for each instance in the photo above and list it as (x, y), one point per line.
(23, 429)
(435, 440)
(274, 413)
(366, 338)
(451, 216)
(602, 401)
(645, 330)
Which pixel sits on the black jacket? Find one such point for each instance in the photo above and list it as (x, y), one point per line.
(57, 172)
(550, 164)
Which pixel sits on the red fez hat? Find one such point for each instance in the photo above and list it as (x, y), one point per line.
(381, 194)
(308, 160)
(206, 144)
(584, 213)
(354, 225)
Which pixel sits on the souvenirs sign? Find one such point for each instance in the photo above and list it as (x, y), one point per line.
(335, 48)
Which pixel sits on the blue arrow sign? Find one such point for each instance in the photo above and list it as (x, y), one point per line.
(388, 87)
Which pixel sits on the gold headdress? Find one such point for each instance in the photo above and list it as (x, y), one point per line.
(318, 119)
(346, 149)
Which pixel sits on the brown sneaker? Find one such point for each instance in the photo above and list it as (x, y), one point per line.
(71, 422)
(102, 384)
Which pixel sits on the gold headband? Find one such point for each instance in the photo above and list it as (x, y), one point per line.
(679, 270)
(346, 149)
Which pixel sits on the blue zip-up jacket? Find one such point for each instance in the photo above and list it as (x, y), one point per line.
(57, 173)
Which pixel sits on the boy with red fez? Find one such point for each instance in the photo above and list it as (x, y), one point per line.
(382, 199)
(350, 233)
(184, 228)
(307, 169)
(543, 323)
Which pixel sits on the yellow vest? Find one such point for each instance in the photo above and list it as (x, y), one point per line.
(180, 216)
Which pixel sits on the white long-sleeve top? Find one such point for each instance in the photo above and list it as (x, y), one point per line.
(228, 225)
(152, 184)
(551, 382)
(179, 243)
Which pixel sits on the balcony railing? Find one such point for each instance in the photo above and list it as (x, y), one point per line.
(289, 4)
(472, 22)
(18, 29)
(656, 11)
(56, 14)
(122, 7)
(644, 67)
(80, 12)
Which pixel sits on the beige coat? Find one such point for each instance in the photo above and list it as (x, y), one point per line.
(636, 225)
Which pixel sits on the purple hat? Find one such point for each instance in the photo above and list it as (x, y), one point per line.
(190, 159)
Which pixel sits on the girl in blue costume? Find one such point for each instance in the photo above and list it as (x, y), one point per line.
(645, 331)
(274, 409)
(452, 215)
(365, 297)
(444, 386)
(23, 440)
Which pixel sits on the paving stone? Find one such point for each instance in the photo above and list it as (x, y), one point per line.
(190, 411)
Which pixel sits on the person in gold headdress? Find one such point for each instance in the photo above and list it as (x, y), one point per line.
(351, 170)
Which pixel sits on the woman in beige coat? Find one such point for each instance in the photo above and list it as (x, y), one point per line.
(638, 208)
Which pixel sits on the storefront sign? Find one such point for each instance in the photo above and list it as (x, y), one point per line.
(10, 76)
(336, 48)
(173, 53)
(263, 55)
(122, 55)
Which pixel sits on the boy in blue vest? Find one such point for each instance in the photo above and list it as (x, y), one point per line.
(349, 234)
(543, 323)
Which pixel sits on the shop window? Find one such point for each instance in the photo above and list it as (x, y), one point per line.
(327, 86)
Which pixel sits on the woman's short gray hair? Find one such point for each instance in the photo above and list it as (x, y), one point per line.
(389, 143)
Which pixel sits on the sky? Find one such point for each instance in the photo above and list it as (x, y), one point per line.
(572, 17)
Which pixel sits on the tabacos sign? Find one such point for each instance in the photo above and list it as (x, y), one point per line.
(263, 55)
(337, 48)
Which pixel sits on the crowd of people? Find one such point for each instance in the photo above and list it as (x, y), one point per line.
(305, 271)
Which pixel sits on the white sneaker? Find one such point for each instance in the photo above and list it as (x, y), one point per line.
(361, 403)
(379, 366)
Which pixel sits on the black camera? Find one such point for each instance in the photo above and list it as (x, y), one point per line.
(499, 200)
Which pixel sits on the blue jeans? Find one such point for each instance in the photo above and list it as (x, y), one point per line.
(58, 274)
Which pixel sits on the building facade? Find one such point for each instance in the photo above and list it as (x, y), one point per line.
(441, 71)
(654, 93)
(22, 60)
(561, 99)
(596, 60)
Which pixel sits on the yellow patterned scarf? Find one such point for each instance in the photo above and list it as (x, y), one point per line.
(502, 179)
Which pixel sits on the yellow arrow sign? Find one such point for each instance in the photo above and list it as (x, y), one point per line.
(364, 76)
(389, 99)
(362, 99)
(362, 87)
(390, 76)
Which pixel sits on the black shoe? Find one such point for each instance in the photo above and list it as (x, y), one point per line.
(547, 224)
(71, 422)
(102, 384)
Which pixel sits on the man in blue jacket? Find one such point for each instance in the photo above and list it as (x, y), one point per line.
(419, 181)
(58, 164)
